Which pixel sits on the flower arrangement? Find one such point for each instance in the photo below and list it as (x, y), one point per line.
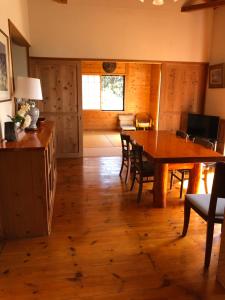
(21, 118)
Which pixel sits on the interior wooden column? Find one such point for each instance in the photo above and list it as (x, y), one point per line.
(155, 93)
(195, 179)
(160, 185)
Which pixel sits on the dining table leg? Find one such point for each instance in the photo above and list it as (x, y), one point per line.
(160, 185)
(195, 179)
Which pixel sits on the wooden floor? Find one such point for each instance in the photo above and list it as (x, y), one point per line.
(105, 247)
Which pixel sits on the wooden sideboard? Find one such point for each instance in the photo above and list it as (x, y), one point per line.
(27, 183)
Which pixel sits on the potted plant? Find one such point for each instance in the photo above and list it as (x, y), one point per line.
(20, 121)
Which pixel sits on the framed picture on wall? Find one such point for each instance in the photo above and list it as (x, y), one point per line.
(5, 89)
(216, 76)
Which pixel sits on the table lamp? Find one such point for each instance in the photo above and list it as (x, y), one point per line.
(29, 89)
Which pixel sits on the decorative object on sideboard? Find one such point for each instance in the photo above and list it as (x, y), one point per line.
(40, 121)
(22, 118)
(20, 121)
(10, 131)
(217, 76)
(30, 89)
(109, 67)
(5, 90)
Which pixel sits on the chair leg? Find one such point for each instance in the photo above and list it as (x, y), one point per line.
(121, 169)
(171, 180)
(133, 181)
(128, 171)
(140, 190)
(181, 185)
(205, 179)
(187, 210)
(209, 241)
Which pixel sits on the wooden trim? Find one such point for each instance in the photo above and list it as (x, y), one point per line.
(119, 60)
(79, 110)
(209, 4)
(16, 36)
(8, 67)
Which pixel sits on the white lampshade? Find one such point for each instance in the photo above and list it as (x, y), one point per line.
(28, 88)
(158, 2)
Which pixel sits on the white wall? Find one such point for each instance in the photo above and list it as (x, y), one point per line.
(215, 98)
(125, 29)
(17, 12)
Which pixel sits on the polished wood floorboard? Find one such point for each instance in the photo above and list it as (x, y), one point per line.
(105, 247)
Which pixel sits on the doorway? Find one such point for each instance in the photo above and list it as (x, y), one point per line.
(103, 100)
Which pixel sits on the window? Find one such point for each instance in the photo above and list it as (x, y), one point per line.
(104, 92)
(91, 91)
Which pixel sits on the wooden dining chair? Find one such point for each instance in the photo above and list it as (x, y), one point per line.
(143, 170)
(182, 174)
(126, 155)
(208, 165)
(144, 121)
(209, 207)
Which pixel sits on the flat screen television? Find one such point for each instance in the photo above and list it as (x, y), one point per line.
(203, 126)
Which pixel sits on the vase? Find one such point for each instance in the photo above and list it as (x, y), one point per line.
(10, 131)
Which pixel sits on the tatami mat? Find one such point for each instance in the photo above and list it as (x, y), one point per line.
(101, 143)
(96, 141)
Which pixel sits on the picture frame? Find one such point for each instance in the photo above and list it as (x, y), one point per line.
(216, 76)
(5, 88)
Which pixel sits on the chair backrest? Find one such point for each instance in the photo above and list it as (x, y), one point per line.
(204, 142)
(218, 188)
(126, 120)
(143, 118)
(125, 143)
(137, 151)
(182, 134)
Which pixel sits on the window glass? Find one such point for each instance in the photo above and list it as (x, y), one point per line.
(91, 92)
(112, 92)
(103, 92)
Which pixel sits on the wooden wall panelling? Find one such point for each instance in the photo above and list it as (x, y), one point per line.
(62, 102)
(182, 90)
(95, 67)
(137, 94)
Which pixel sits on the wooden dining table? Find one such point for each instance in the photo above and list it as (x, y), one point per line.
(169, 152)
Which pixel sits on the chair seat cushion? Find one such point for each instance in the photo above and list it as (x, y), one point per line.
(143, 124)
(128, 127)
(201, 202)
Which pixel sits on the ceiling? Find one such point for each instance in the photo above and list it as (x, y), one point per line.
(189, 5)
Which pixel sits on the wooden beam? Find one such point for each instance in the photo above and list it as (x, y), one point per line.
(61, 1)
(209, 4)
(16, 36)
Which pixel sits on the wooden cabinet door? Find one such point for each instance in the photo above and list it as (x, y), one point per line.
(61, 88)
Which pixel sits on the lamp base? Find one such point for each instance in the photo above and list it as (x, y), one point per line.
(34, 114)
